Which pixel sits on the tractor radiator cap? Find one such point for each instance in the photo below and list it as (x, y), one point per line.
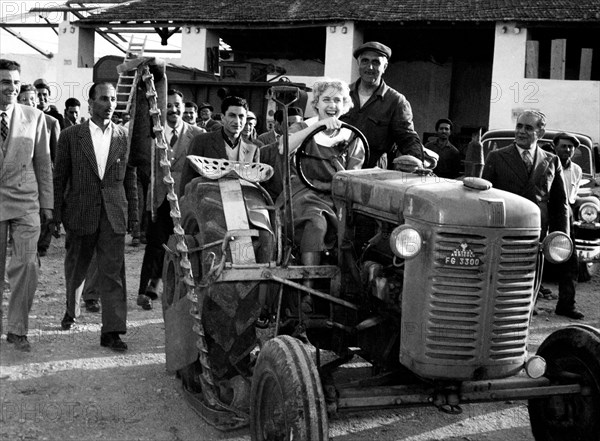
(477, 183)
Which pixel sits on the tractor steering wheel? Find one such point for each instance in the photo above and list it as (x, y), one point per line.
(301, 155)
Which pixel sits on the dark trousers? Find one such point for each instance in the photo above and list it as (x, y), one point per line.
(110, 255)
(567, 274)
(143, 182)
(157, 234)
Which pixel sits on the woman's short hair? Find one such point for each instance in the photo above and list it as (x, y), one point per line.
(321, 86)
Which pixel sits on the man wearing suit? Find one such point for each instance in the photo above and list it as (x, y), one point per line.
(525, 169)
(178, 135)
(96, 200)
(25, 196)
(226, 143)
(206, 122)
(538, 178)
(27, 97)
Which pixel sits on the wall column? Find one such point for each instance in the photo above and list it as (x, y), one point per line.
(340, 43)
(74, 65)
(508, 75)
(200, 48)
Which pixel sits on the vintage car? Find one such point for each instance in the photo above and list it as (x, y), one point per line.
(586, 210)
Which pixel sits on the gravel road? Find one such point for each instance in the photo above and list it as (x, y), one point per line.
(69, 387)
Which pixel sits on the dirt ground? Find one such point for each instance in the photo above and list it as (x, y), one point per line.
(69, 387)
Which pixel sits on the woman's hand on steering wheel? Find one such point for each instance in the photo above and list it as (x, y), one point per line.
(331, 123)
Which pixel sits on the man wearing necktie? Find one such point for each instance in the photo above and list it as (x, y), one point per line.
(536, 175)
(525, 169)
(178, 135)
(26, 195)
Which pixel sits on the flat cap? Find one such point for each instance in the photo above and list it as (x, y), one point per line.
(374, 46)
(40, 83)
(565, 135)
(206, 106)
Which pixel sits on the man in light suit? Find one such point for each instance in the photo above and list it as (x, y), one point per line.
(179, 136)
(25, 196)
(96, 200)
(541, 182)
(226, 143)
(27, 97)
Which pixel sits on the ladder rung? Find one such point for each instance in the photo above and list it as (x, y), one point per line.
(127, 77)
(122, 102)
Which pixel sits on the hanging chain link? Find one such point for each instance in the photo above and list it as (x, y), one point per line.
(208, 389)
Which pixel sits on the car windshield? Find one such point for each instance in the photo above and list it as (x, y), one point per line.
(582, 157)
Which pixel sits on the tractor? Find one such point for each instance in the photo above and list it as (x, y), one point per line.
(431, 284)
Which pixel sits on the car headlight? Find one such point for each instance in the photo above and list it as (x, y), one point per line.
(406, 242)
(588, 212)
(557, 247)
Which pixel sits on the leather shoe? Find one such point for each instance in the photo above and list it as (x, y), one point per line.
(92, 305)
(144, 301)
(67, 322)
(112, 341)
(20, 342)
(153, 288)
(571, 313)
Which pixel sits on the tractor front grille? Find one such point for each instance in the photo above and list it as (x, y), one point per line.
(478, 298)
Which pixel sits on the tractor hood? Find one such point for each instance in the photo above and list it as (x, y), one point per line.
(398, 195)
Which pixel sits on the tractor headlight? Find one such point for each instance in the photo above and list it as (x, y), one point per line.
(406, 242)
(557, 247)
(588, 212)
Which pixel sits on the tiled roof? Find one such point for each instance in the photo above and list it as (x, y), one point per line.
(266, 12)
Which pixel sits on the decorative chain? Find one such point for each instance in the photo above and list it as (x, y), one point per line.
(209, 389)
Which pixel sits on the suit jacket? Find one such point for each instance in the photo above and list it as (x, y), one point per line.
(79, 192)
(178, 159)
(505, 169)
(26, 170)
(53, 133)
(210, 126)
(68, 122)
(212, 145)
(268, 137)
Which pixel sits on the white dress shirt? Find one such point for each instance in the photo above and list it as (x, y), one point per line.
(572, 177)
(101, 140)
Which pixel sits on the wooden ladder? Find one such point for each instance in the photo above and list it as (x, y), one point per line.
(128, 79)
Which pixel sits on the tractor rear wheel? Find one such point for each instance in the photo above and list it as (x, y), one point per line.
(286, 399)
(230, 309)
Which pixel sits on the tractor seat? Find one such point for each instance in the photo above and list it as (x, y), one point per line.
(219, 168)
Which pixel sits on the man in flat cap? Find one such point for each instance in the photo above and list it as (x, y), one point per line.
(565, 145)
(380, 112)
(43, 93)
(206, 121)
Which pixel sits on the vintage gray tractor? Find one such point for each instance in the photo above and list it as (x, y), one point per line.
(432, 283)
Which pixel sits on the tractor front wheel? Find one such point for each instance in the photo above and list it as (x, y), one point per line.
(570, 352)
(287, 401)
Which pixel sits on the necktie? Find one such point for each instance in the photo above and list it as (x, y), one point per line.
(173, 138)
(4, 131)
(527, 160)
(4, 126)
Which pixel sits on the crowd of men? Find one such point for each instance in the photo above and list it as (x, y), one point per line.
(78, 174)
